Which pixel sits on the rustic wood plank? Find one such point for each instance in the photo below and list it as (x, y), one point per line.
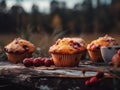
(41, 77)
(7, 68)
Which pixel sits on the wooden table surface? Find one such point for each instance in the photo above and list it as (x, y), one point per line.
(46, 78)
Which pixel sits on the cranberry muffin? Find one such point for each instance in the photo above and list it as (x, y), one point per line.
(94, 47)
(68, 51)
(19, 49)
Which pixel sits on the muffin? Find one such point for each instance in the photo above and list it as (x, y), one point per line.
(94, 47)
(19, 49)
(68, 51)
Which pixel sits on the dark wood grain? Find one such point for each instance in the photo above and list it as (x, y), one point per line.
(51, 78)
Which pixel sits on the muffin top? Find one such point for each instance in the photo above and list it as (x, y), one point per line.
(68, 46)
(19, 46)
(102, 41)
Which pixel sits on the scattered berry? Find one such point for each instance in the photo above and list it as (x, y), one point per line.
(28, 62)
(76, 45)
(87, 83)
(39, 57)
(118, 52)
(116, 60)
(37, 62)
(42, 60)
(52, 63)
(47, 63)
(94, 80)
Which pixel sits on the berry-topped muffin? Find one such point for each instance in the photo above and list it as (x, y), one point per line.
(68, 51)
(19, 49)
(94, 47)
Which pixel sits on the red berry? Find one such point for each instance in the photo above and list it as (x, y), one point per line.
(31, 59)
(39, 57)
(76, 45)
(116, 60)
(94, 80)
(118, 52)
(52, 63)
(42, 60)
(47, 63)
(87, 83)
(28, 62)
(37, 62)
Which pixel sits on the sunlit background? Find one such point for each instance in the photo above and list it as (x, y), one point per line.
(44, 21)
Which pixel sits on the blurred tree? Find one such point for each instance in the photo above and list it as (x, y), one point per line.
(115, 10)
(54, 6)
(102, 20)
(59, 9)
(20, 17)
(98, 4)
(35, 9)
(3, 6)
(62, 5)
(88, 16)
(35, 18)
(6, 21)
(77, 18)
(84, 17)
(77, 7)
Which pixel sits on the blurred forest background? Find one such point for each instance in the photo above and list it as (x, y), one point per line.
(82, 18)
(62, 21)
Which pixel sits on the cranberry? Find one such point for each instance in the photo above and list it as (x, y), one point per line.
(107, 40)
(116, 60)
(52, 63)
(39, 57)
(94, 80)
(118, 52)
(43, 60)
(87, 83)
(75, 45)
(28, 62)
(47, 63)
(37, 62)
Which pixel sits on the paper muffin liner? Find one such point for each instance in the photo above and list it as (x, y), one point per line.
(95, 55)
(17, 58)
(66, 60)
